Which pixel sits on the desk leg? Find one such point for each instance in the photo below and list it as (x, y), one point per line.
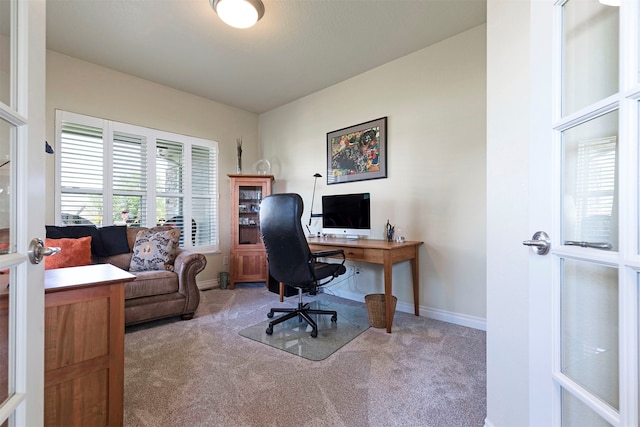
(388, 295)
(416, 283)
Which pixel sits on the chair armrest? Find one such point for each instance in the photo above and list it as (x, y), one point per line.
(187, 265)
(332, 252)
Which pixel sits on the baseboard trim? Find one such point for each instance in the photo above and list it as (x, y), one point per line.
(450, 317)
(208, 284)
(487, 423)
(432, 313)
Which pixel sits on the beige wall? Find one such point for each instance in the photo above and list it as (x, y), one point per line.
(85, 88)
(435, 102)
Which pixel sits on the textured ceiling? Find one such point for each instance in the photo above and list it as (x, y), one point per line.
(297, 48)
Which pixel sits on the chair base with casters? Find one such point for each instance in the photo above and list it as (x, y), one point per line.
(302, 312)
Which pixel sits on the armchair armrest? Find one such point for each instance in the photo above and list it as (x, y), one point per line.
(329, 253)
(187, 265)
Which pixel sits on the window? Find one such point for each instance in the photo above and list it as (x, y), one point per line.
(114, 173)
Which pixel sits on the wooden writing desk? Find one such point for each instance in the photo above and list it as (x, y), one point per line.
(377, 252)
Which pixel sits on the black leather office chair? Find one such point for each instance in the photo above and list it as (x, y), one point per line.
(290, 260)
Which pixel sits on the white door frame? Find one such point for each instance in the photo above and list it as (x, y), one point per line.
(541, 314)
(27, 112)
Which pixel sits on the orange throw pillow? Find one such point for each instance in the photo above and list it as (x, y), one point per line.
(75, 252)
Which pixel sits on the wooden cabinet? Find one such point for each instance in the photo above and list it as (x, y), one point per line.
(248, 259)
(84, 346)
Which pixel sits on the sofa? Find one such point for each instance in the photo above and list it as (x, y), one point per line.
(155, 293)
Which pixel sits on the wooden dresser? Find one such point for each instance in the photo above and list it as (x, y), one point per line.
(84, 346)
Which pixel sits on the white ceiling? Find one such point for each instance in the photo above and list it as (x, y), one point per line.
(297, 48)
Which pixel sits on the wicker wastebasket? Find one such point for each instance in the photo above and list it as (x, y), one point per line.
(376, 308)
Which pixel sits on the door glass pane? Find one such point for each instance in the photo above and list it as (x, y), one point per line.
(4, 334)
(248, 215)
(7, 245)
(5, 51)
(577, 414)
(589, 180)
(589, 329)
(6, 174)
(590, 53)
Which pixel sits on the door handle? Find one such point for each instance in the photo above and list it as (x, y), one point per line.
(540, 243)
(37, 250)
(598, 245)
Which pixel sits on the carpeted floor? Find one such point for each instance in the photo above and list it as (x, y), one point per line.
(203, 373)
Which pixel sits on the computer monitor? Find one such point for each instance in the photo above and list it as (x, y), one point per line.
(347, 215)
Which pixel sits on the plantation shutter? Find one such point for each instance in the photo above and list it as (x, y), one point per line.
(116, 173)
(82, 174)
(169, 185)
(203, 194)
(129, 178)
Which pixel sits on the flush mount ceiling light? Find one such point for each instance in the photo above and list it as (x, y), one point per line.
(238, 13)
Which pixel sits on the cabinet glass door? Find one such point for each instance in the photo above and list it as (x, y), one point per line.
(249, 198)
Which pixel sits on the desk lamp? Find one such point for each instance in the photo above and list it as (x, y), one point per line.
(313, 196)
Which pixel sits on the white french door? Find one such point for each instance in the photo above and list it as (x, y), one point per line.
(22, 65)
(584, 292)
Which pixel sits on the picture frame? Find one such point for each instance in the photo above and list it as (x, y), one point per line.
(358, 152)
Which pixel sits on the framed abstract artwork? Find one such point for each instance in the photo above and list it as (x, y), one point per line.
(358, 152)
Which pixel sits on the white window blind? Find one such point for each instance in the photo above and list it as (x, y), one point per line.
(169, 187)
(203, 183)
(81, 174)
(129, 178)
(596, 186)
(115, 173)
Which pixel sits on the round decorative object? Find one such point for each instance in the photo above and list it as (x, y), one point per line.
(262, 167)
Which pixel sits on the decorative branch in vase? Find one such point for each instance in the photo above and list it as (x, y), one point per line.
(239, 147)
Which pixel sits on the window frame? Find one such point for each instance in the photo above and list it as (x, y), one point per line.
(152, 136)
